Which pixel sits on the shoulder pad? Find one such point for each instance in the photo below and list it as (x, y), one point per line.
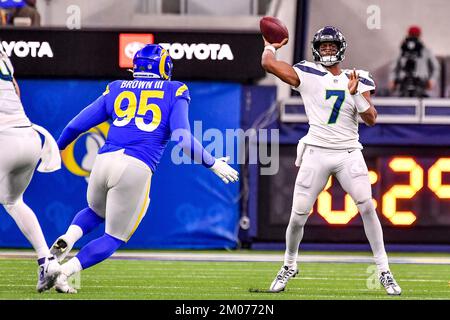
(366, 78)
(306, 63)
(112, 85)
(180, 90)
(309, 67)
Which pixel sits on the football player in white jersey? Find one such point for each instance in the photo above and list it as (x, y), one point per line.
(20, 151)
(333, 99)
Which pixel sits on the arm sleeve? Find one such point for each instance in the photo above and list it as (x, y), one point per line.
(90, 116)
(179, 122)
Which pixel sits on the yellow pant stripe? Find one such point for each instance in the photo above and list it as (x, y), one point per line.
(141, 213)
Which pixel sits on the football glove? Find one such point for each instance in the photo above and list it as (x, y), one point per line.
(224, 171)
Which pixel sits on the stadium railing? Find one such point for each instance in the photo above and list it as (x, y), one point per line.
(390, 110)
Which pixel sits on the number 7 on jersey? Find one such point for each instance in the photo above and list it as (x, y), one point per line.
(340, 97)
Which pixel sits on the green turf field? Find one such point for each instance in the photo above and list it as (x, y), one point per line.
(171, 280)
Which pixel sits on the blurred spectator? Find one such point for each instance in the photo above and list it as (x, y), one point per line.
(3, 17)
(27, 11)
(19, 12)
(416, 69)
(7, 4)
(6, 8)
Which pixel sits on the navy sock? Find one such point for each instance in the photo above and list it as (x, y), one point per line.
(98, 250)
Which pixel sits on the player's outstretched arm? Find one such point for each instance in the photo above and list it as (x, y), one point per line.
(89, 117)
(281, 69)
(181, 131)
(363, 102)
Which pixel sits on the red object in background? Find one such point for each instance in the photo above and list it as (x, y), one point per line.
(129, 44)
(414, 31)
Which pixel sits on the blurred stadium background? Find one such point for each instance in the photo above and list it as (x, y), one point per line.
(82, 45)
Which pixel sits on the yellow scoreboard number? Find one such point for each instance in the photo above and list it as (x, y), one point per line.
(389, 198)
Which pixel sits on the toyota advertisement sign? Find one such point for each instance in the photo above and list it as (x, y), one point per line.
(109, 54)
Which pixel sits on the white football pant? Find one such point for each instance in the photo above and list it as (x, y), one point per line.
(20, 150)
(317, 164)
(350, 169)
(118, 191)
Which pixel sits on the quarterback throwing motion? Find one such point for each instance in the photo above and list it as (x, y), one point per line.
(333, 98)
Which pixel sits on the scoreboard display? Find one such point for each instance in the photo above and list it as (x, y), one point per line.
(411, 193)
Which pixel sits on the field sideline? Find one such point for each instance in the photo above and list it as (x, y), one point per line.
(218, 275)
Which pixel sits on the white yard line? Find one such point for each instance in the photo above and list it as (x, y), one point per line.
(240, 257)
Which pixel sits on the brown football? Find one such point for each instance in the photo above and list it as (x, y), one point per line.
(273, 30)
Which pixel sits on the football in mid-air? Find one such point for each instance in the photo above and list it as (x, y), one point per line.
(273, 30)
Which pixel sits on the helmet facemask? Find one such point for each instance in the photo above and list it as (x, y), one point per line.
(329, 34)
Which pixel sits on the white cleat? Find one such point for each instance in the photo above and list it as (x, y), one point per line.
(62, 285)
(389, 283)
(282, 278)
(61, 248)
(47, 274)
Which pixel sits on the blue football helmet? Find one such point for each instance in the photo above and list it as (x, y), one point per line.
(329, 34)
(152, 61)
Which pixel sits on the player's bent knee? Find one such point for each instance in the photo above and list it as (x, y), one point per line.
(297, 220)
(119, 236)
(366, 206)
(10, 205)
(97, 210)
(116, 242)
(300, 212)
(302, 204)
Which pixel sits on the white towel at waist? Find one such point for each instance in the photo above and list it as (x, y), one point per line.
(50, 156)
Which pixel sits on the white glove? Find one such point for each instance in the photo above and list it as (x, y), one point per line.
(300, 150)
(224, 171)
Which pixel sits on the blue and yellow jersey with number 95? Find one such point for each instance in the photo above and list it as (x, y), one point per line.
(140, 111)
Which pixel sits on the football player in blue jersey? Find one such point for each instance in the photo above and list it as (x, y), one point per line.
(144, 113)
